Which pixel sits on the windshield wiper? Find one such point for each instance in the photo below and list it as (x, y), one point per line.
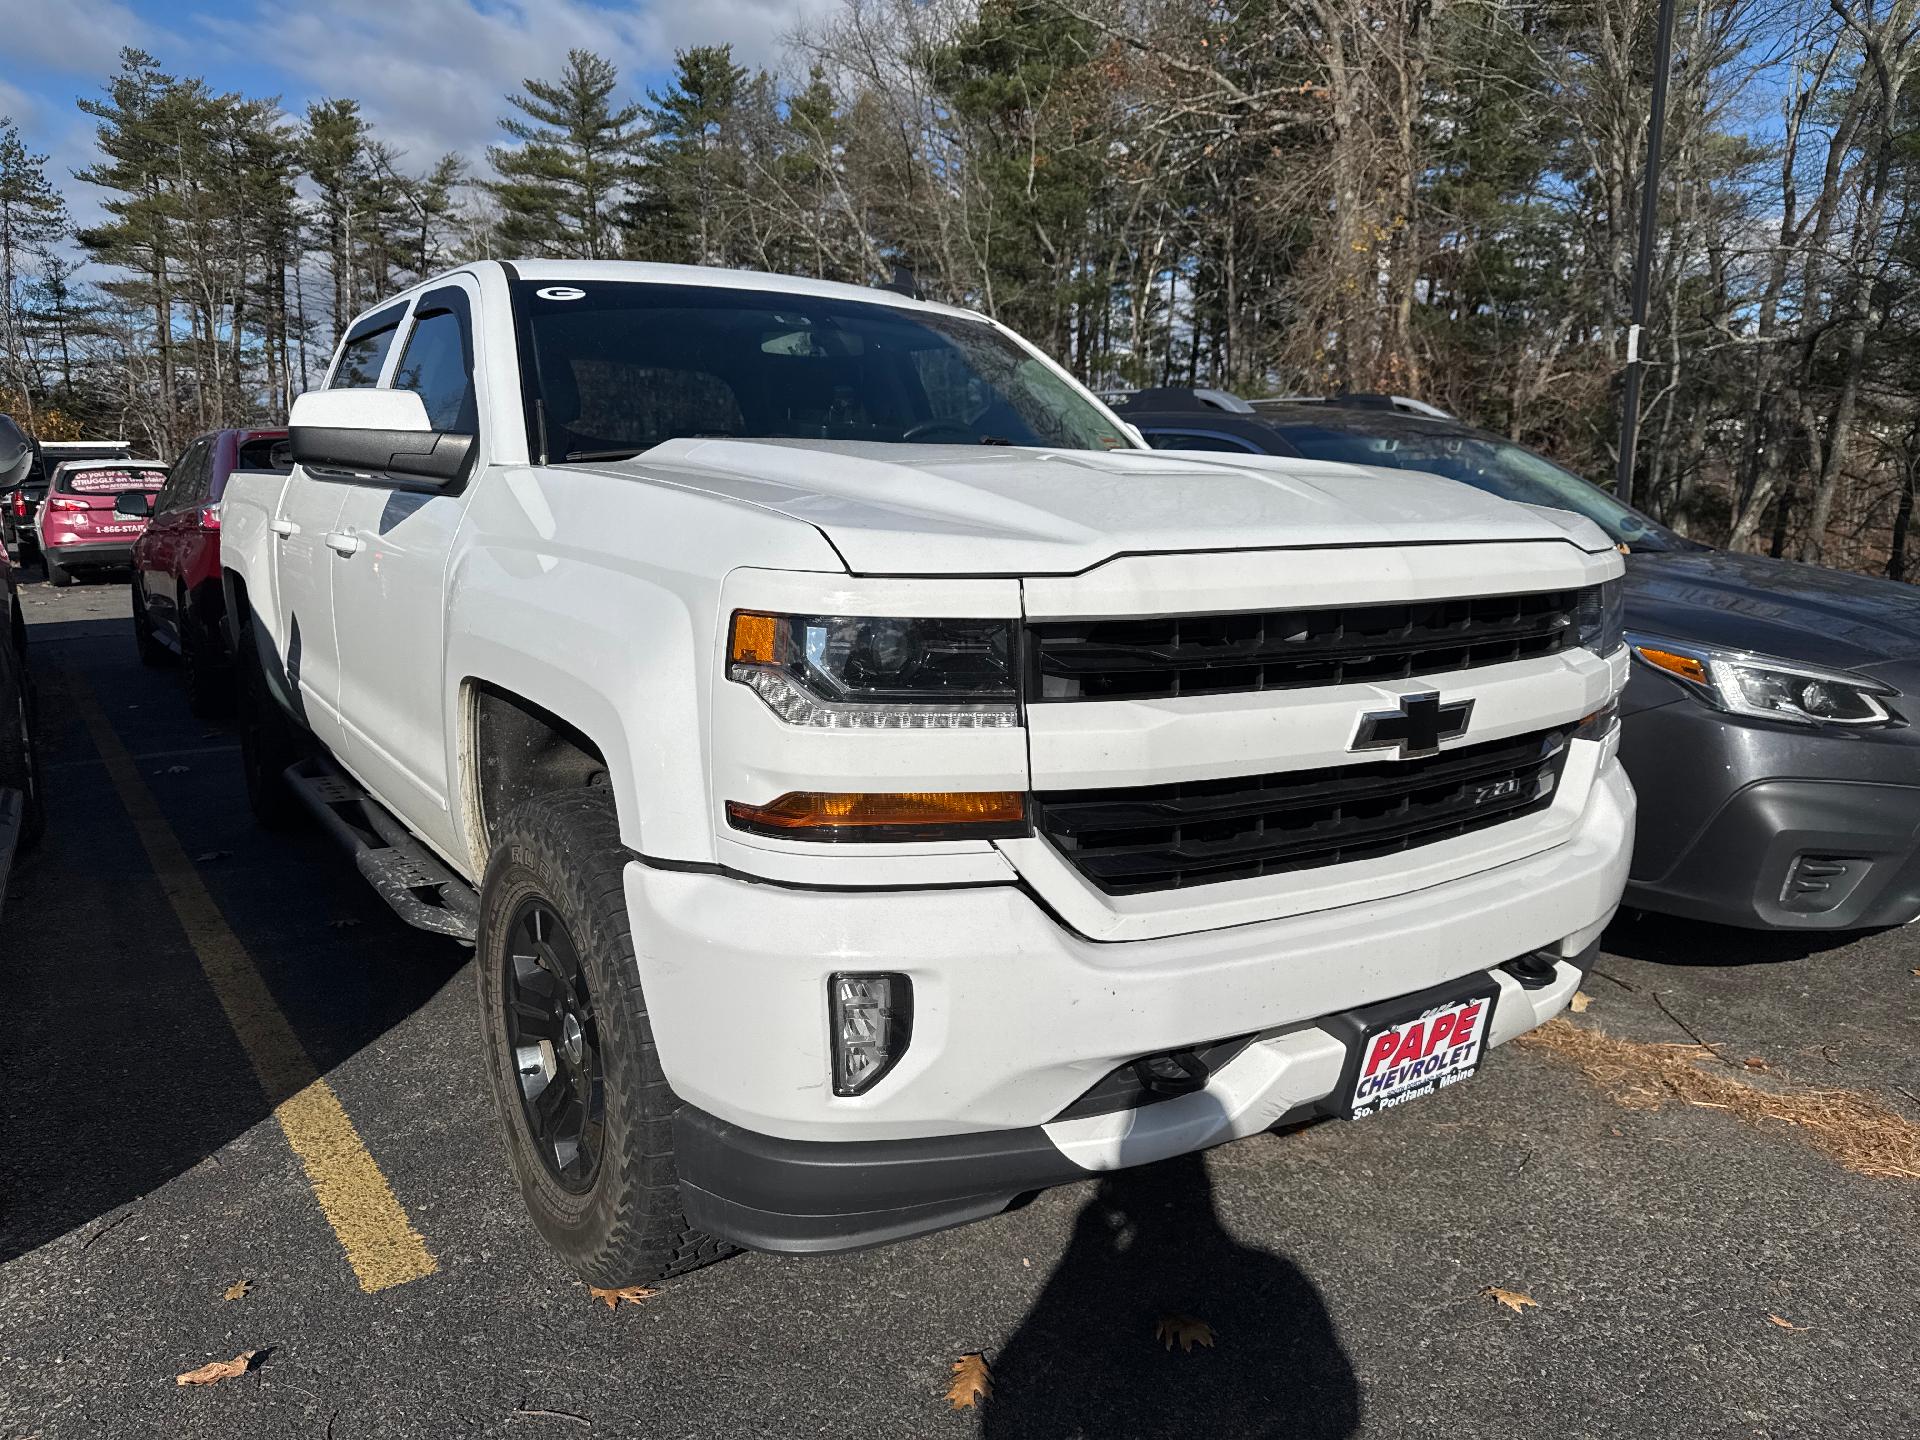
(573, 455)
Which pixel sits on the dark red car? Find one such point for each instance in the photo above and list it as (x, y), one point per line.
(177, 601)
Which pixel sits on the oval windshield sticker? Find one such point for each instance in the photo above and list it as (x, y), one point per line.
(560, 292)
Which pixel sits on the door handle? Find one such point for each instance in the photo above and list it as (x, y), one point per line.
(283, 528)
(342, 542)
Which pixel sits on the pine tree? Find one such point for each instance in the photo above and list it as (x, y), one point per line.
(560, 185)
(139, 238)
(32, 218)
(692, 167)
(335, 156)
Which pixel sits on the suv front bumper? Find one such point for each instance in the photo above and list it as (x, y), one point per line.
(1016, 1017)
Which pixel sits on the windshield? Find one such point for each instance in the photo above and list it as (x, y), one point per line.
(1495, 466)
(619, 367)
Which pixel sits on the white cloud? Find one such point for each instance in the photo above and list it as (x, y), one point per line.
(73, 36)
(432, 75)
(18, 106)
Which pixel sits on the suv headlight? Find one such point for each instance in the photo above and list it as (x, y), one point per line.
(859, 672)
(1744, 684)
(1602, 616)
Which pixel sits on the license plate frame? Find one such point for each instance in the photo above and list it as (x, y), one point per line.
(1362, 1031)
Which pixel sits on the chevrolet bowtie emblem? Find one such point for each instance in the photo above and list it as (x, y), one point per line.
(1416, 728)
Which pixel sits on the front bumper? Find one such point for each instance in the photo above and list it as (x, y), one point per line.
(1771, 826)
(818, 1196)
(1016, 1017)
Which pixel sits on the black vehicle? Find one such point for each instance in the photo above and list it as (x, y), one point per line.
(21, 497)
(1770, 712)
(21, 815)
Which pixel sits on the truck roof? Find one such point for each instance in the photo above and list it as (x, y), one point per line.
(646, 272)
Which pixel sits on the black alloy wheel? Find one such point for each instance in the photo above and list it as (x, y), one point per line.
(554, 1044)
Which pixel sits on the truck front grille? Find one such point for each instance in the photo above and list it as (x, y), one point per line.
(1129, 839)
(1290, 649)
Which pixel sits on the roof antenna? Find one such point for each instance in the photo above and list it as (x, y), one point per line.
(903, 283)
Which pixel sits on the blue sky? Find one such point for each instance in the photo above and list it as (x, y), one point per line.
(430, 74)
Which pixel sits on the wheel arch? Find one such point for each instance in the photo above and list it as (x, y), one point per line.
(514, 750)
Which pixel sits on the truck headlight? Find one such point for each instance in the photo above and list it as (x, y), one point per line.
(859, 672)
(1602, 616)
(1744, 684)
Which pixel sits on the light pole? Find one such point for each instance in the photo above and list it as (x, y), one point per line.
(1643, 257)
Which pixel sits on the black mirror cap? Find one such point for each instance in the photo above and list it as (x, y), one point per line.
(438, 457)
(134, 502)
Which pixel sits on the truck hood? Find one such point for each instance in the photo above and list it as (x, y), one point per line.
(1772, 607)
(997, 510)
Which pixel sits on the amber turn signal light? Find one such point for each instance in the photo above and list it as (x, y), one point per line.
(755, 639)
(917, 815)
(1685, 666)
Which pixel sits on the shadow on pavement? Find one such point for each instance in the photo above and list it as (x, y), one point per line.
(1149, 1244)
(1668, 940)
(119, 1069)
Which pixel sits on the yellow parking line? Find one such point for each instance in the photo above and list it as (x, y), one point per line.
(381, 1244)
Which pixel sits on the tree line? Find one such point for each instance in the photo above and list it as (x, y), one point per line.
(1436, 198)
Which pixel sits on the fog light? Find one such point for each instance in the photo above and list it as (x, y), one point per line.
(872, 1017)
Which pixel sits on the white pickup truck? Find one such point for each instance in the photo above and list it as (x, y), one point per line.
(876, 785)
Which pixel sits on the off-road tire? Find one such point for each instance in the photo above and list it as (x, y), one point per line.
(627, 1229)
(269, 742)
(19, 764)
(152, 652)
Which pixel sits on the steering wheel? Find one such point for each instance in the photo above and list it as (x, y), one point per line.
(968, 435)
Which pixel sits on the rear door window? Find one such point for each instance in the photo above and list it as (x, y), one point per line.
(364, 353)
(178, 492)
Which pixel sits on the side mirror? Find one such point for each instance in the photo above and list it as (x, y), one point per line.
(134, 502)
(374, 432)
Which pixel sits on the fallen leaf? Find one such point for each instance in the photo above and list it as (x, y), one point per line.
(972, 1382)
(1026, 1264)
(1514, 1300)
(218, 1370)
(1786, 1324)
(632, 1294)
(1916, 972)
(1184, 1331)
(238, 1290)
(1579, 1002)
(1755, 1062)
(175, 770)
(344, 924)
(210, 855)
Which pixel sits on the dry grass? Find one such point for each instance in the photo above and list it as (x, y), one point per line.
(1849, 1126)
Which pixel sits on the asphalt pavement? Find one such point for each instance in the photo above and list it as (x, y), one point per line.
(1692, 1271)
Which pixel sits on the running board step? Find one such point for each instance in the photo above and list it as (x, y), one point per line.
(405, 874)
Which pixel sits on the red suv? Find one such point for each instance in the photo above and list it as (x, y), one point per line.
(177, 600)
(85, 523)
